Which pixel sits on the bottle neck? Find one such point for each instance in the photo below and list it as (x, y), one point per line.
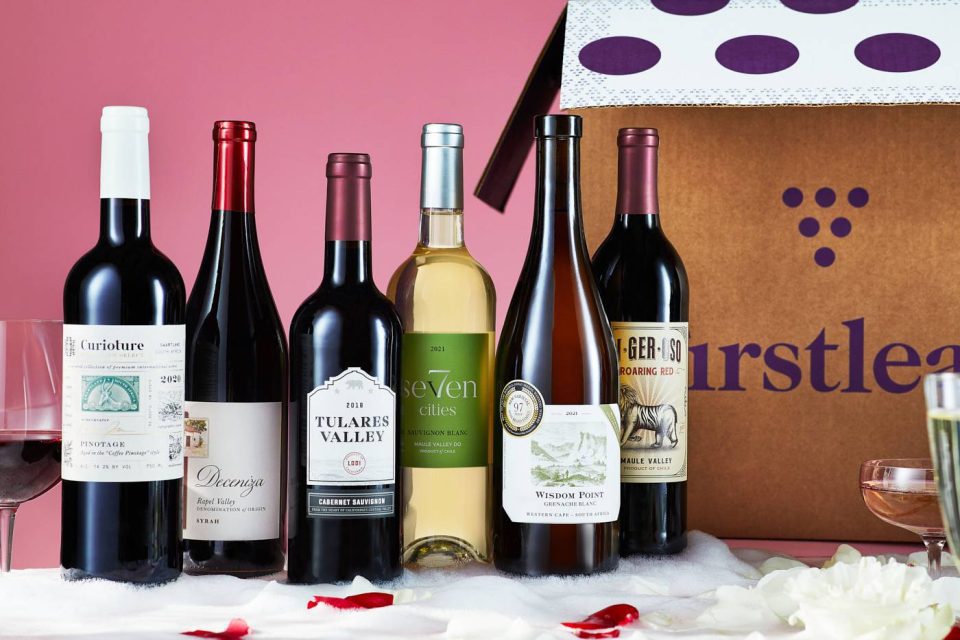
(638, 222)
(347, 262)
(558, 209)
(233, 165)
(124, 221)
(441, 228)
(124, 165)
(347, 258)
(637, 181)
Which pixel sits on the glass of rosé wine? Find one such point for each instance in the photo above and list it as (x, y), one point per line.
(30, 366)
(903, 492)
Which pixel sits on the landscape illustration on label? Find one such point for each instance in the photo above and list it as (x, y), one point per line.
(569, 455)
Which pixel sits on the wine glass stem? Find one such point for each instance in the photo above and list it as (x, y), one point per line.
(7, 514)
(934, 548)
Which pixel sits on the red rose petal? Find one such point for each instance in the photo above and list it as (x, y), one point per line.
(954, 633)
(612, 633)
(603, 623)
(372, 600)
(238, 628)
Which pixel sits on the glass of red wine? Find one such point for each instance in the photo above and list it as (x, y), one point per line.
(903, 492)
(30, 364)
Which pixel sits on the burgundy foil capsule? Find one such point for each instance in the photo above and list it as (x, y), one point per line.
(348, 196)
(637, 171)
(233, 155)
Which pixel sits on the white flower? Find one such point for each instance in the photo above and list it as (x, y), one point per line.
(868, 600)
(852, 598)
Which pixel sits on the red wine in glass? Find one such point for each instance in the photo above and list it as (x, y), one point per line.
(29, 464)
(30, 417)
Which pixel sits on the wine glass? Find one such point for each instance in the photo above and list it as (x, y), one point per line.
(903, 492)
(942, 392)
(30, 363)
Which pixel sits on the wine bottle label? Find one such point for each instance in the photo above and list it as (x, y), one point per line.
(351, 436)
(653, 400)
(446, 399)
(232, 470)
(561, 463)
(122, 402)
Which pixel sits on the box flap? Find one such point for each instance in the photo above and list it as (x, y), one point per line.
(516, 139)
(760, 52)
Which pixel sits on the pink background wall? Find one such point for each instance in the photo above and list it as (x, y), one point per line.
(316, 77)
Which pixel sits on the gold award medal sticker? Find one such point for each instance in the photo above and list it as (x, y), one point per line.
(521, 407)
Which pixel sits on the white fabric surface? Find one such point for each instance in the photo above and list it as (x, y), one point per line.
(471, 603)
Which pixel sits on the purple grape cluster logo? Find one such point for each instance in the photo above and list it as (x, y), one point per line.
(839, 227)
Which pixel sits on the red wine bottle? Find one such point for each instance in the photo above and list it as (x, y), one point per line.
(236, 384)
(556, 478)
(123, 368)
(645, 293)
(344, 491)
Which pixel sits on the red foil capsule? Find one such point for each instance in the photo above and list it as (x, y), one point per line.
(348, 196)
(233, 156)
(637, 171)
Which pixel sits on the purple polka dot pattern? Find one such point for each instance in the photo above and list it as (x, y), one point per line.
(897, 52)
(858, 197)
(690, 7)
(841, 227)
(824, 256)
(757, 54)
(819, 6)
(792, 197)
(619, 55)
(825, 197)
(809, 227)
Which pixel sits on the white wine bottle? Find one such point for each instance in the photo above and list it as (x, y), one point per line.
(447, 304)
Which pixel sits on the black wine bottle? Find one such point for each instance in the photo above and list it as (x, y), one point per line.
(236, 384)
(556, 478)
(344, 491)
(644, 288)
(123, 368)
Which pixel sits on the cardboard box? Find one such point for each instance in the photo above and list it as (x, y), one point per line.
(821, 241)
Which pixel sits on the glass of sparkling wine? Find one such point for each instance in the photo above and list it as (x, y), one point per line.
(30, 365)
(903, 492)
(942, 392)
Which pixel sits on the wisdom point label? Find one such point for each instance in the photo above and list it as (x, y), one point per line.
(561, 463)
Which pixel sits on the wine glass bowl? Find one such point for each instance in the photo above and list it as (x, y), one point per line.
(30, 415)
(903, 492)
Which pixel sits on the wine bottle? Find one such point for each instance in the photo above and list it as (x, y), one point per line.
(123, 370)
(644, 289)
(447, 305)
(236, 384)
(344, 493)
(556, 478)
